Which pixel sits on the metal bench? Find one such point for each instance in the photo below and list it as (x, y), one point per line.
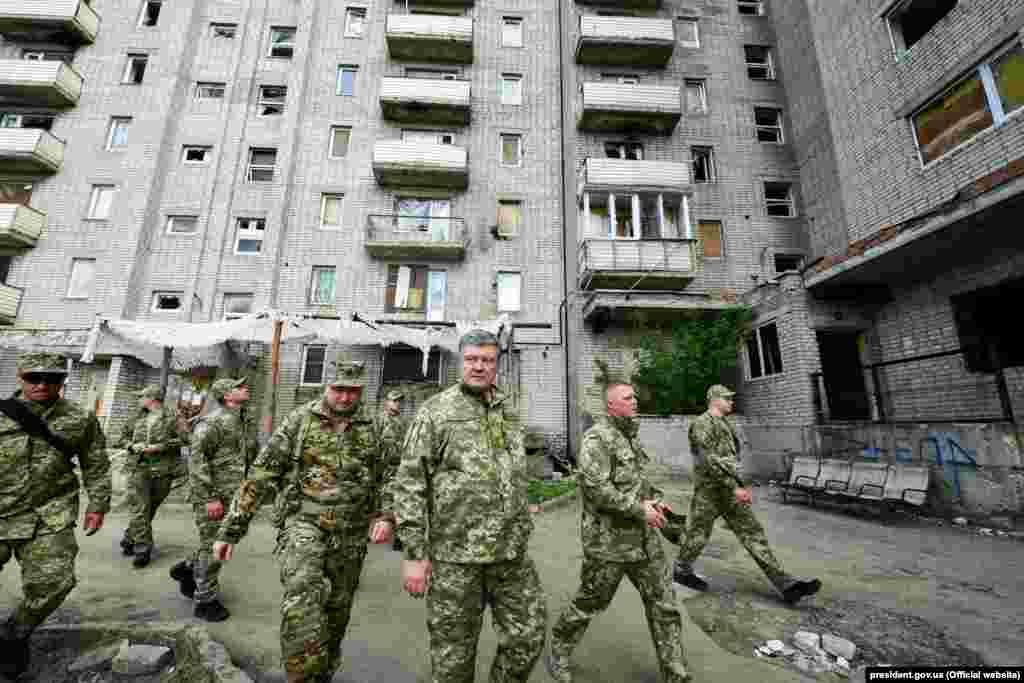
(907, 483)
(802, 476)
(867, 481)
(834, 478)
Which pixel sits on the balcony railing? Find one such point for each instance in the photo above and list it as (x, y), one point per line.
(61, 21)
(416, 236)
(10, 302)
(29, 82)
(430, 38)
(639, 264)
(398, 162)
(625, 41)
(20, 226)
(425, 100)
(622, 107)
(30, 150)
(635, 176)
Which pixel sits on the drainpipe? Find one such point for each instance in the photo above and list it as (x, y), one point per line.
(564, 320)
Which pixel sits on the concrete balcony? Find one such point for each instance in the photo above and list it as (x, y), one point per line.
(636, 264)
(10, 302)
(623, 4)
(625, 41)
(440, 238)
(601, 174)
(430, 38)
(619, 107)
(60, 21)
(30, 150)
(420, 164)
(45, 84)
(20, 226)
(425, 100)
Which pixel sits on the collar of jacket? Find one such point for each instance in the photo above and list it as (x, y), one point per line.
(40, 408)
(323, 411)
(629, 426)
(497, 395)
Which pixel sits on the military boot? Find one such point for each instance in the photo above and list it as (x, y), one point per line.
(186, 578)
(558, 667)
(127, 547)
(675, 673)
(211, 611)
(800, 588)
(14, 652)
(683, 573)
(142, 558)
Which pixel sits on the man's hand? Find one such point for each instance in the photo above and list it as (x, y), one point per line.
(663, 506)
(744, 496)
(222, 551)
(416, 576)
(653, 515)
(382, 531)
(93, 522)
(214, 510)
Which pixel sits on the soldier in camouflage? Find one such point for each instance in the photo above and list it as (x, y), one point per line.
(721, 489)
(324, 465)
(621, 511)
(39, 497)
(123, 443)
(222, 451)
(463, 477)
(154, 452)
(391, 427)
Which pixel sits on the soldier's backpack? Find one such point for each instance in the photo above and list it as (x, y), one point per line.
(35, 426)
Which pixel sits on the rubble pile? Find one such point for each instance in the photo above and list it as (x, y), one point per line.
(812, 653)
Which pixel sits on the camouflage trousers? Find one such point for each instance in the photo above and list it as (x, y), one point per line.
(319, 585)
(205, 568)
(599, 580)
(47, 575)
(707, 505)
(455, 609)
(149, 490)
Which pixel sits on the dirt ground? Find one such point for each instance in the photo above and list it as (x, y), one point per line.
(904, 592)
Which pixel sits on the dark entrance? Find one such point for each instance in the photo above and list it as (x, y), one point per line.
(844, 377)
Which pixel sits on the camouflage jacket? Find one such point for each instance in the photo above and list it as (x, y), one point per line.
(38, 483)
(319, 467)
(157, 429)
(614, 484)
(460, 492)
(128, 429)
(716, 452)
(391, 431)
(223, 448)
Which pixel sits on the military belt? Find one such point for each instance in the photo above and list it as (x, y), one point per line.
(327, 515)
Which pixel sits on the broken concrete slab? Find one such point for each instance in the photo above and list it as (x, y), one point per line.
(807, 641)
(840, 647)
(776, 646)
(138, 660)
(96, 659)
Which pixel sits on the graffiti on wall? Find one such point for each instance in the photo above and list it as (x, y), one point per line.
(941, 448)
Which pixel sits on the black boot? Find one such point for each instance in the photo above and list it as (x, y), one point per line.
(142, 558)
(684, 574)
(14, 655)
(396, 545)
(185, 576)
(127, 547)
(800, 588)
(211, 611)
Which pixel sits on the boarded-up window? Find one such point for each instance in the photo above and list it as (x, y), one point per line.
(710, 233)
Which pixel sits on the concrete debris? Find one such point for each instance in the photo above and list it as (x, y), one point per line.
(138, 660)
(1000, 532)
(807, 641)
(986, 532)
(775, 646)
(840, 647)
(842, 663)
(96, 658)
(960, 521)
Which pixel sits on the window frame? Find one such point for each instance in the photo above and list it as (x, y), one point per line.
(305, 365)
(131, 59)
(692, 21)
(896, 37)
(250, 233)
(508, 21)
(69, 294)
(353, 11)
(757, 335)
(169, 225)
(497, 285)
(313, 280)
(517, 229)
(721, 236)
(206, 149)
(157, 293)
(702, 88)
(250, 167)
(505, 79)
(790, 201)
(345, 68)
(94, 201)
(779, 126)
(519, 150)
(112, 129)
(143, 13)
(712, 170)
(389, 378)
(216, 26)
(262, 101)
(331, 149)
(209, 86)
(786, 254)
(768, 65)
(324, 197)
(756, 5)
(290, 45)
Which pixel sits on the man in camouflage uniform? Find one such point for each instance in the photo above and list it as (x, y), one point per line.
(621, 511)
(39, 497)
(323, 463)
(721, 489)
(464, 477)
(123, 443)
(391, 428)
(154, 451)
(222, 451)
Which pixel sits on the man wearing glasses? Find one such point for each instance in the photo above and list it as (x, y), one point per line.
(721, 490)
(40, 433)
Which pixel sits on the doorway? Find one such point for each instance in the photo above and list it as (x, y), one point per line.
(843, 375)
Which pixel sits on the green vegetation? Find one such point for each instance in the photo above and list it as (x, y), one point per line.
(540, 490)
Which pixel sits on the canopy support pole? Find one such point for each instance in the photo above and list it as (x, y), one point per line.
(165, 371)
(270, 400)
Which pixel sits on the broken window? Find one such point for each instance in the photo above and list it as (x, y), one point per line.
(510, 216)
(911, 20)
(787, 262)
(764, 356)
(168, 301)
(986, 333)
(768, 124)
(696, 96)
(760, 65)
(210, 91)
(249, 236)
(262, 163)
(271, 100)
(224, 30)
(750, 7)
(510, 286)
(314, 363)
(703, 164)
(182, 225)
(83, 274)
(282, 42)
(778, 199)
(404, 363)
(150, 12)
(340, 136)
(624, 150)
(237, 305)
(710, 234)
(135, 69)
(195, 155)
(355, 22)
(346, 84)
(688, 33)
(408, 287)
(323, 286)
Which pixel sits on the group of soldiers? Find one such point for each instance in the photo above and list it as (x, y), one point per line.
(452, 486)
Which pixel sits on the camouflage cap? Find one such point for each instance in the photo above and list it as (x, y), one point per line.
(40, 361)
(720, 391)
(394, 395)
(350, 374)
(223, 386)
(150, 392)
(478, 337)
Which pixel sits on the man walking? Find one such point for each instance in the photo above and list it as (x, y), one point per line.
(156, 444)
(40, 433)
(323, 463)
(621, 513)
(391, 428)
(124, 443)
(222, 452)
(463, 476)
(721, 490)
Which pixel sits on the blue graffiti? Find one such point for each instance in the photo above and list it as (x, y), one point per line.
(951, 461)
(904, 454)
